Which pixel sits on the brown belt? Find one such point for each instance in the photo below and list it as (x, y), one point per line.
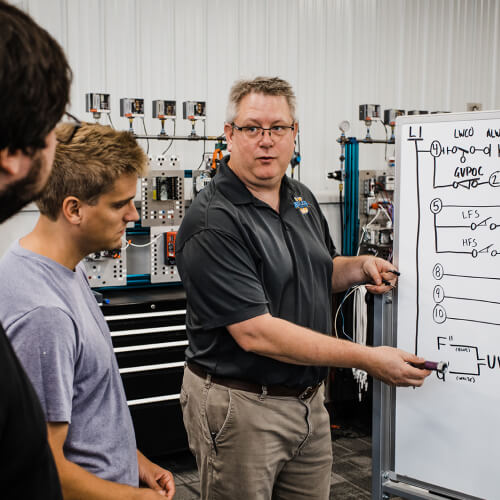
(243, 385)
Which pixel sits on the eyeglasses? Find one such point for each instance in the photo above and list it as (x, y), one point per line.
(253, 132)
(66, 136)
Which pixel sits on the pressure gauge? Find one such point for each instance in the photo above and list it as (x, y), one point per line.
(344, 126)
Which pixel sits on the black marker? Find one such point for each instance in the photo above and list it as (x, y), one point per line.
(372, 283)
(393, 271)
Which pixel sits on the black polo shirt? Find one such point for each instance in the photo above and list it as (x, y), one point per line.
(238, 258)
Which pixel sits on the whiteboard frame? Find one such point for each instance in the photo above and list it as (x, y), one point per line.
(385, 481)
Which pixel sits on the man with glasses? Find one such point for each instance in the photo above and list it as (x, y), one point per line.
(34, 90)
(55, 324)
(259, 267)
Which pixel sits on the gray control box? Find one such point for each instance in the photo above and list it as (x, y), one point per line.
(162, 198)
(106, 268)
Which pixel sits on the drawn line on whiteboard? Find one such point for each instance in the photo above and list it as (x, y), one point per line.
(457, 252)
(473, 226)
(472, 277)
(417, 291)
(461, 347)
(466, 184)
(472, 206)
(436, 150)
(473, 321)
(474, 253)
(472, 299)
(459, 355)
(435, 230)
(453, 227)
(478, 374)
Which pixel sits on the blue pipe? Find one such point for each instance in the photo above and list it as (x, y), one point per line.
(351, 199)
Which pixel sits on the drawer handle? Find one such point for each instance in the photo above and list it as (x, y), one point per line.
(156, 399)
(117, 317)
(150, 368)
(142, 331)
(147, 347)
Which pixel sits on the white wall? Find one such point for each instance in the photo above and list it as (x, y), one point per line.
(409, 54)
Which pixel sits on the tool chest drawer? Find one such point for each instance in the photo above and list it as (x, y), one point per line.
(148, 332)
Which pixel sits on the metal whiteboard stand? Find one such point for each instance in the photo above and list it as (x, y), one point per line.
(385, 482)
(383, 396)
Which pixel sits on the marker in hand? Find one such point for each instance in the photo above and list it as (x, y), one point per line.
(437, 366)
(388, 283)
(372, 283)
(384, 281)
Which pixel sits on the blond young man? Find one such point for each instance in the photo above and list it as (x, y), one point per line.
(259, 266)
(55, 324)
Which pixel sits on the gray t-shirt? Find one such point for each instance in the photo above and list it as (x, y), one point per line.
(64, 344)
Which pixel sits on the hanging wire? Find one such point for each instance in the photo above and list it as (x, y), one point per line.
(145, 133)
(128, 243)
(204, 146)
(171, 142)
(348, 293)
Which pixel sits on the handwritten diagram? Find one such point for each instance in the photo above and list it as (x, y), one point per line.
(448, 300)
(458, 176)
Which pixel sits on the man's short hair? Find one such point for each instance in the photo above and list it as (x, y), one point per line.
(89, 165)
(35, 81)
(261, 85)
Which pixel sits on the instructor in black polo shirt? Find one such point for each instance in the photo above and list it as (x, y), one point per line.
(259, 268)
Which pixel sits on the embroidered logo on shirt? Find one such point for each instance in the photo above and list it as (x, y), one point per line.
(301, 204)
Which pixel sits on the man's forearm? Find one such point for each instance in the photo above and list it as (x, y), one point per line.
(279, 339)
(77, 483)
(284, 341)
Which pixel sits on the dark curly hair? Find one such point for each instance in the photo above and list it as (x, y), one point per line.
(35, 80)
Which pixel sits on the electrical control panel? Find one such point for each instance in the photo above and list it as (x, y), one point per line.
(418, 112)
(148, 255)
(169, 247)
(97, 103)
(165, 195)
(194, 110)
(163, 267)
(106, 268)
(390, 115)
(201, 178)
(162, 198)
(370, 111)
(164, 109)
(376, 212)
(131, 107)
(165, 161)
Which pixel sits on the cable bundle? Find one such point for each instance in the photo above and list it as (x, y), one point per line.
(360, 329)
(359, 325)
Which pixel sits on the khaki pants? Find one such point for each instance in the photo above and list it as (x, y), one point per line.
(254, 447)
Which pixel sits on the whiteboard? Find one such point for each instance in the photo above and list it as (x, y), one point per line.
(447, 433)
